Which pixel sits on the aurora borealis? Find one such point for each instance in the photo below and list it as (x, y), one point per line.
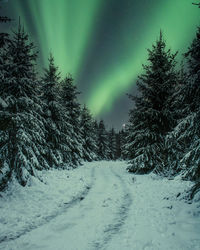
(103, 43)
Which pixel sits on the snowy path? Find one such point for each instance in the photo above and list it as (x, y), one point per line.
(109, 209)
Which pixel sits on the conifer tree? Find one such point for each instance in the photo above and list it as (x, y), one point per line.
(112, 144)
(187, 131)
(118, 145)
(23, 140)
(88, 135)
(4, 37)
(53, 114)
(102, 142)
(123, 135)
(72, 107)
(150, 119)
(96, 136)
(4, 19)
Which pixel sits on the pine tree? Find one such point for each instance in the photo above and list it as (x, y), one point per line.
(53, 114)
(102, 142)
(22, 141)
(191, 160)
(187, 131)
(123, 135)
(4, 37)
(118, 145)
(72, 107)
(88, 135)
(96, 136)
(4, 19)
(112, 144)
(150, 120)
(179, 109)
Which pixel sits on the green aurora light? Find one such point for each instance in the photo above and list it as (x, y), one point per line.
(63, 27)
(67, 28)
(177, 19)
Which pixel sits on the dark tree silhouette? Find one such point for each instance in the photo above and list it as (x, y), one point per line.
(4, 37)
(198, 4)
(5, 19)
(150, 119)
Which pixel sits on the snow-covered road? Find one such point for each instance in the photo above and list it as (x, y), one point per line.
(101, 206)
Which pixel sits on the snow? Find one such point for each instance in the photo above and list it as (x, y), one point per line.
(3, 104)
(99, 206)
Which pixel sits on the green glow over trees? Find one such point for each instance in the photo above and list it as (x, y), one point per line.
(67, 28)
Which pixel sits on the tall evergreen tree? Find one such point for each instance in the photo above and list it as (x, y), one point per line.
(4, 37)
(72, 107)
(88, 135)
(96, 136)
(53, 114)
(112, 144)
(123, 135)
(4, 19)
(150, 119)
(187, 132)
(5, 116)
(102, 142)
(22, 141)
(118, 145)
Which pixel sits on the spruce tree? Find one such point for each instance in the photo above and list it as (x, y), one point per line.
(88, 135)
(96, 136)
(150, 120)
(5, 116)
(53, 114)
(187, 131)
(118, 145)
(102, 142)
(123, 135)
(4, 37)
(72, 107)
(23, 140)
(112, 144)
(4, 19)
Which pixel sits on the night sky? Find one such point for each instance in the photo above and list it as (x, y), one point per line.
(103, 43)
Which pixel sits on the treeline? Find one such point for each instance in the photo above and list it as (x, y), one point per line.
(42, 124)
(163, 134)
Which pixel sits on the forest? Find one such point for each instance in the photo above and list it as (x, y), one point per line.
(69, 181)
(44, 126)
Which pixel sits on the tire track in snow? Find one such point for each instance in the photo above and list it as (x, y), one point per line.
(76, 200)
(121, 215)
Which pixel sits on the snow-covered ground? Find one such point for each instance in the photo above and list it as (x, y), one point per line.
(99, 206)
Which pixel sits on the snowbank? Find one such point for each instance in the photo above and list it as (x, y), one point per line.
(99, 206)
(25, 208)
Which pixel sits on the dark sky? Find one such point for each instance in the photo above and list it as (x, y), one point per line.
(103, 42)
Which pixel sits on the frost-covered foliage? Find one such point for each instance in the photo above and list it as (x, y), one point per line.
(73, 111)
(122, 151)
(88, 135)
(53, 113)
(112, 144)
(96, 136)
(41, 122)
(102, 142)
(150, 119)
(23, 138)
(187, 131)
(163, 134)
